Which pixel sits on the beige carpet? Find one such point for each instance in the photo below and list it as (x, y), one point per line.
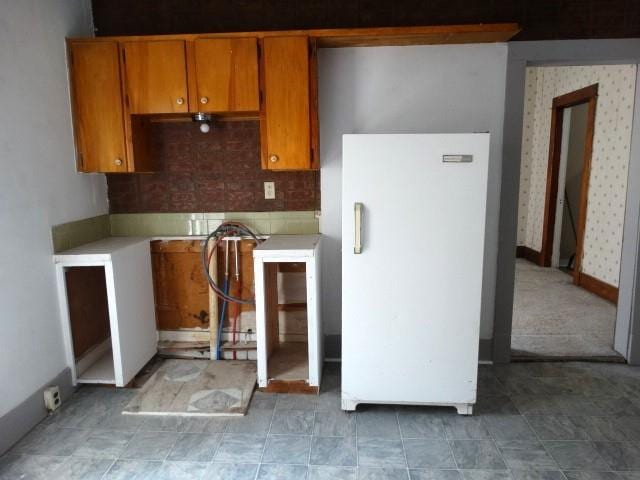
(554, 318)
(196, 388)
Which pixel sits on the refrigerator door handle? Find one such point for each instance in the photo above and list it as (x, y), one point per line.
(357, 244)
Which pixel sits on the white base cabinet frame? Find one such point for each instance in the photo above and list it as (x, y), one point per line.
(295, 249)
(127, 269)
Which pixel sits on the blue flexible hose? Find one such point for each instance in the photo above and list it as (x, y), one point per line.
(223, 312)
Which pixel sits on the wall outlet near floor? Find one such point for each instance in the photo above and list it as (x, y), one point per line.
(269, 190)
(52, 398)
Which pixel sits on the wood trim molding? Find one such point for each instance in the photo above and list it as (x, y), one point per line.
(361, 37)
(584, 95)
(597, 287)
(584, 185)
(289, 386)
(576, 97)
(528, 254)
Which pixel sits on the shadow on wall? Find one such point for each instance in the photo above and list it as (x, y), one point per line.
(337, 110)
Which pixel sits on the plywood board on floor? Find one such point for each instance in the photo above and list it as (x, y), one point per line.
(196, 388)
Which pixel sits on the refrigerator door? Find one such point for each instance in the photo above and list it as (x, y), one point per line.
(413, 227)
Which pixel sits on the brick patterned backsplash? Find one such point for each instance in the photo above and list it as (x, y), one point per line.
(217, 171)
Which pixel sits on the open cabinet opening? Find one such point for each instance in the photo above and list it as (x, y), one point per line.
(89, 321)
(287, 323)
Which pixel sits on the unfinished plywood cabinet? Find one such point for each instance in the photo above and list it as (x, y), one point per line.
(96, 97)
(285, 365)
(288, 116)
(181, 290)
(182, 299)
(223, 75)
(155, 76)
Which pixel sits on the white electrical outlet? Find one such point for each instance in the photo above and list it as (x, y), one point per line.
(52, 398)
(269, 190)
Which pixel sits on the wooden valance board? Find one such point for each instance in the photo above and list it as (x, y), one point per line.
(362, 37)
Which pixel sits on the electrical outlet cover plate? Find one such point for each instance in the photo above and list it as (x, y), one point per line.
(269, 190)
(52, 398)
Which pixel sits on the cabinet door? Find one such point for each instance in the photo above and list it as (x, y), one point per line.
(97, 107)
(226, 72)
(156, 76)
(285, 115)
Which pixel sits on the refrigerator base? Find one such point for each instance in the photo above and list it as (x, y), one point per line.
(461, 408)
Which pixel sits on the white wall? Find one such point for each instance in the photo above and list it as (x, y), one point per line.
(420, 89)
(38, 186)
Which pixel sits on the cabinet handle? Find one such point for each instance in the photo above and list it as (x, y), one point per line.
(118, 161)
(180, 101)
(273, 158)
(204, 100)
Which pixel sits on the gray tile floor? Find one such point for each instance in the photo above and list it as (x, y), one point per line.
(536, 421)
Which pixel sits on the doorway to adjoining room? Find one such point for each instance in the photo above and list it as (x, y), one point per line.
(575, 153)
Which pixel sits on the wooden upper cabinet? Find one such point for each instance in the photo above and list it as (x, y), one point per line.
(155, 76)
(286, 115)
(121, 84)
(224, 75)
(97, 107)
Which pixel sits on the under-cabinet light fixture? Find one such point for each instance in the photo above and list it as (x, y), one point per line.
(205, 121)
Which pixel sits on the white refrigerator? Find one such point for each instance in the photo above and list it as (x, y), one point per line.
(413, 231)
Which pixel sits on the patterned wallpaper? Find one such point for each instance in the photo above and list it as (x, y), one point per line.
(609, 163)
